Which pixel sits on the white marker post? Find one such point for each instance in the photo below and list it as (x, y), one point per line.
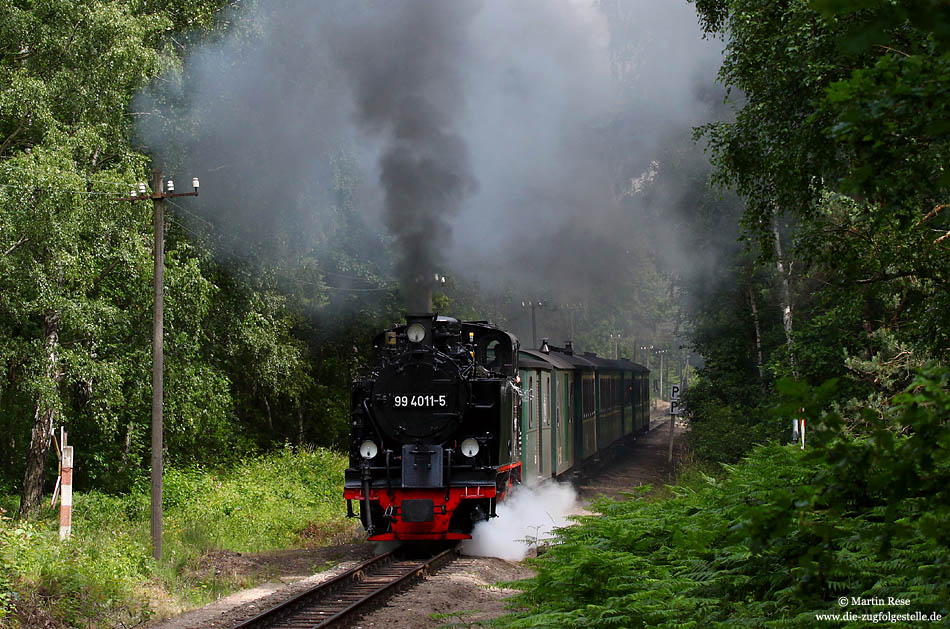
(802, 411)
(798, 429)
(66, 495)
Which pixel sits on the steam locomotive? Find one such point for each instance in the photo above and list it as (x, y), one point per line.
(453, 414)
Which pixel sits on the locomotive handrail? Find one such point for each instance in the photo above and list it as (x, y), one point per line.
(448, 472)
(372, 421)
(389, 480)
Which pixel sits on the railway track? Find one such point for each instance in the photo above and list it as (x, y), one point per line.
(343, 599)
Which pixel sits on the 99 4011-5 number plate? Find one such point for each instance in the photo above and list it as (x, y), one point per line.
(419, 401)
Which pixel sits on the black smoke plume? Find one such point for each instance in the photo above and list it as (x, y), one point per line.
(407, 89)
(328, 134)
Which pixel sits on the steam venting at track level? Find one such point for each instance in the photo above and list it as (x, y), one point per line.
(525, 519)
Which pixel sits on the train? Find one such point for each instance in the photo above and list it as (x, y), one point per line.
(451, 415)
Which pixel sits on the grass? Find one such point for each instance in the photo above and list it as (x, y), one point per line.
(104, 575)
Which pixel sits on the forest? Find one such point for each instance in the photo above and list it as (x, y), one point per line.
(834, 312)
(804, 175)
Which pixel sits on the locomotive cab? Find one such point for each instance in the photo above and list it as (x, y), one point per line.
(433, 429)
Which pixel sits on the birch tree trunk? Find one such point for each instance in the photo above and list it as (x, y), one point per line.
(786, 299)
(43, 417)
(270, 420)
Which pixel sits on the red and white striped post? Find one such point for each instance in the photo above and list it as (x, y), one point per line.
(66, 495)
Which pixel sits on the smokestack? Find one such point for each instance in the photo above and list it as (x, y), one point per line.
(418, 294)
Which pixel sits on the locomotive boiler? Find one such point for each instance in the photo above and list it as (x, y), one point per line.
(435, 432)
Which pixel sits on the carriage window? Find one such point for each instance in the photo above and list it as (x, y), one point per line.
(587, 390)
(530, 402)
(540, 402)
(547, 405)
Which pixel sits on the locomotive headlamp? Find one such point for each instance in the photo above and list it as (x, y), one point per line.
(368, 449)
(469, 447)
(416, 332)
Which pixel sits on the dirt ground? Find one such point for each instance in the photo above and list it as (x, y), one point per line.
(462, 594)
(645, 463)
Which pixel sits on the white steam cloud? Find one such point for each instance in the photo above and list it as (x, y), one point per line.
(526, 517)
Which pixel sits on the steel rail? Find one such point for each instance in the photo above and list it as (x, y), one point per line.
(346, 597)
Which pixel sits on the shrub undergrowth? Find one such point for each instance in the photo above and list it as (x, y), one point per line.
(105, 576)
(864, 511)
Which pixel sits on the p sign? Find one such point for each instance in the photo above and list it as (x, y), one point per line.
(676, 407)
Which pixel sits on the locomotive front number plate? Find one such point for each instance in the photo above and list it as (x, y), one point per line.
(419, 401)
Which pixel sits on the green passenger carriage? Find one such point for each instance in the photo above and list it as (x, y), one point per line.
(574, 407)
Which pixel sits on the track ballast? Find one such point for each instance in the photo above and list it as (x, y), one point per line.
(345, 598)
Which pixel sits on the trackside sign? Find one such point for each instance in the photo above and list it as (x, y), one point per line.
(676, 405)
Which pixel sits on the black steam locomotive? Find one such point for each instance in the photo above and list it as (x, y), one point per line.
(435, 439)
(453, 415)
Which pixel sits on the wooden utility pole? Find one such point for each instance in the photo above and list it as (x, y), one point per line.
(158, 362)
(158, 197)
(669, 458)
(534, 323)
(647, 351)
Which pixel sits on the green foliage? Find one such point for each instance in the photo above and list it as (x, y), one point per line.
(105, 570)
(727, 402)
(76, 269)
(261, 508)
(841, 132)
(780, 538)
(79, 577)
(725, 434)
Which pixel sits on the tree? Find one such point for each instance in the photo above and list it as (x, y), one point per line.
(73, 261)
(842, 100)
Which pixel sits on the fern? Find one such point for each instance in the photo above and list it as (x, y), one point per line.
(779, 538)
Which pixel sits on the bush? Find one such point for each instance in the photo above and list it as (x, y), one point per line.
(105, 573)
(780, 539)
(725, 433)
(263, 505)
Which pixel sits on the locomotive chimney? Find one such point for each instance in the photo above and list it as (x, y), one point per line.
(425, 300)
(418, 295)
